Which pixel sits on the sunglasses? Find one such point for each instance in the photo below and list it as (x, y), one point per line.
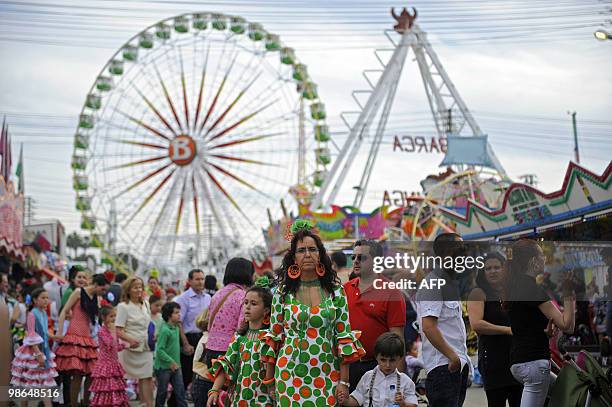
(360, 257)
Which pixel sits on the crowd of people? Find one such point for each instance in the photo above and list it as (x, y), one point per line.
(312, 334)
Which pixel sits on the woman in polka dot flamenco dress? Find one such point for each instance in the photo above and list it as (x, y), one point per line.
(310, 341)
(78, 351)
(241, 364)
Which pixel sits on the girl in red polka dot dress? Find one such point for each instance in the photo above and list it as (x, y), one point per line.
(241, 365)
(107, 382)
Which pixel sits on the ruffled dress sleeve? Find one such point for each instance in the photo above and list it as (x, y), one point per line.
(348, 346)
(275, 336)
(228, 363)
(32, 337)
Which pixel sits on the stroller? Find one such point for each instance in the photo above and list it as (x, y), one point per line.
(576, 386)
(419, 382)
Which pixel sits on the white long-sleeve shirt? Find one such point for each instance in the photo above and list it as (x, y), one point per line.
(381, 390)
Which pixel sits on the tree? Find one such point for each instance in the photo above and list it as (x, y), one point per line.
(74, 242)
(85, 243)
(129, 261)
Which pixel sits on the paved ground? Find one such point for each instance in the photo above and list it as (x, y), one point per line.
(475, 397)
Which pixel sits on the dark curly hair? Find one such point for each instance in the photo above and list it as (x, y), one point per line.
(288, 285)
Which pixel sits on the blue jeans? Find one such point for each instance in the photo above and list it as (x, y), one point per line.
(165, 376)
(446, 389)
(535, 378)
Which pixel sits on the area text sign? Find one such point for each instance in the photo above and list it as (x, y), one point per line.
(418, 144)
(397, 198)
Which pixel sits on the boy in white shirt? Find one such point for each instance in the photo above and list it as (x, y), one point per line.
(384, 385)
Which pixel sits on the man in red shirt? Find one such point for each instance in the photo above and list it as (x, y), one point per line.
(372, 311)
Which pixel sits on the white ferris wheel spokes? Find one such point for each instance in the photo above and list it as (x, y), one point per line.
(189, 133)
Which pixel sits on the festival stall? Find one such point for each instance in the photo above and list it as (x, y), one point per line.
(476, 209)
(524, 209)
(11, 222)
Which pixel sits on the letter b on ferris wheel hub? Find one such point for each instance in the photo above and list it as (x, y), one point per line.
(182, 150)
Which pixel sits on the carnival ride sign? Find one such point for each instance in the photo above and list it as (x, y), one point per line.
(398, 198)
(526, 207)
(418, 144)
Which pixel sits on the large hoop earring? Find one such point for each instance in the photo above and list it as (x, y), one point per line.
(266, 320)
(320, 269)
(294, 271)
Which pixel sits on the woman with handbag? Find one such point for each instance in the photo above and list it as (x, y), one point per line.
(219, 323)
(132, 325)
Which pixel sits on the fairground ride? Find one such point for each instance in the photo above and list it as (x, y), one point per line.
(187, 134)
(472, 196)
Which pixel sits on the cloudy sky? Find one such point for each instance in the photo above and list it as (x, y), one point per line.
(519, 65)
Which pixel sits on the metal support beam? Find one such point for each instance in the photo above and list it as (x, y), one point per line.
(359, 130)
(424, 43)
(380, 130)
(449, 111)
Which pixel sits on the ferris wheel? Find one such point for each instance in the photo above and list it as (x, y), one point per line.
(193, 128)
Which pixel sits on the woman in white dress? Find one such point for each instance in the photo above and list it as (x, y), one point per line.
(133, 318)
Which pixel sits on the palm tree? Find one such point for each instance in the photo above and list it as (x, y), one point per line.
(130, 261)
(74, 242)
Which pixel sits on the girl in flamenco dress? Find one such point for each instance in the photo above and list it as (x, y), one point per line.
(33, 366)
(241, 366)
(78, 351)
(107, 381)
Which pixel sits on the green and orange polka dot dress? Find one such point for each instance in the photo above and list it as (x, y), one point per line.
(245, 370)
(308, 344)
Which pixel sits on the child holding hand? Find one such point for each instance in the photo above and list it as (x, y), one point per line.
(107, 382)
(242, 365)
(33, 366)
(385, 385)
